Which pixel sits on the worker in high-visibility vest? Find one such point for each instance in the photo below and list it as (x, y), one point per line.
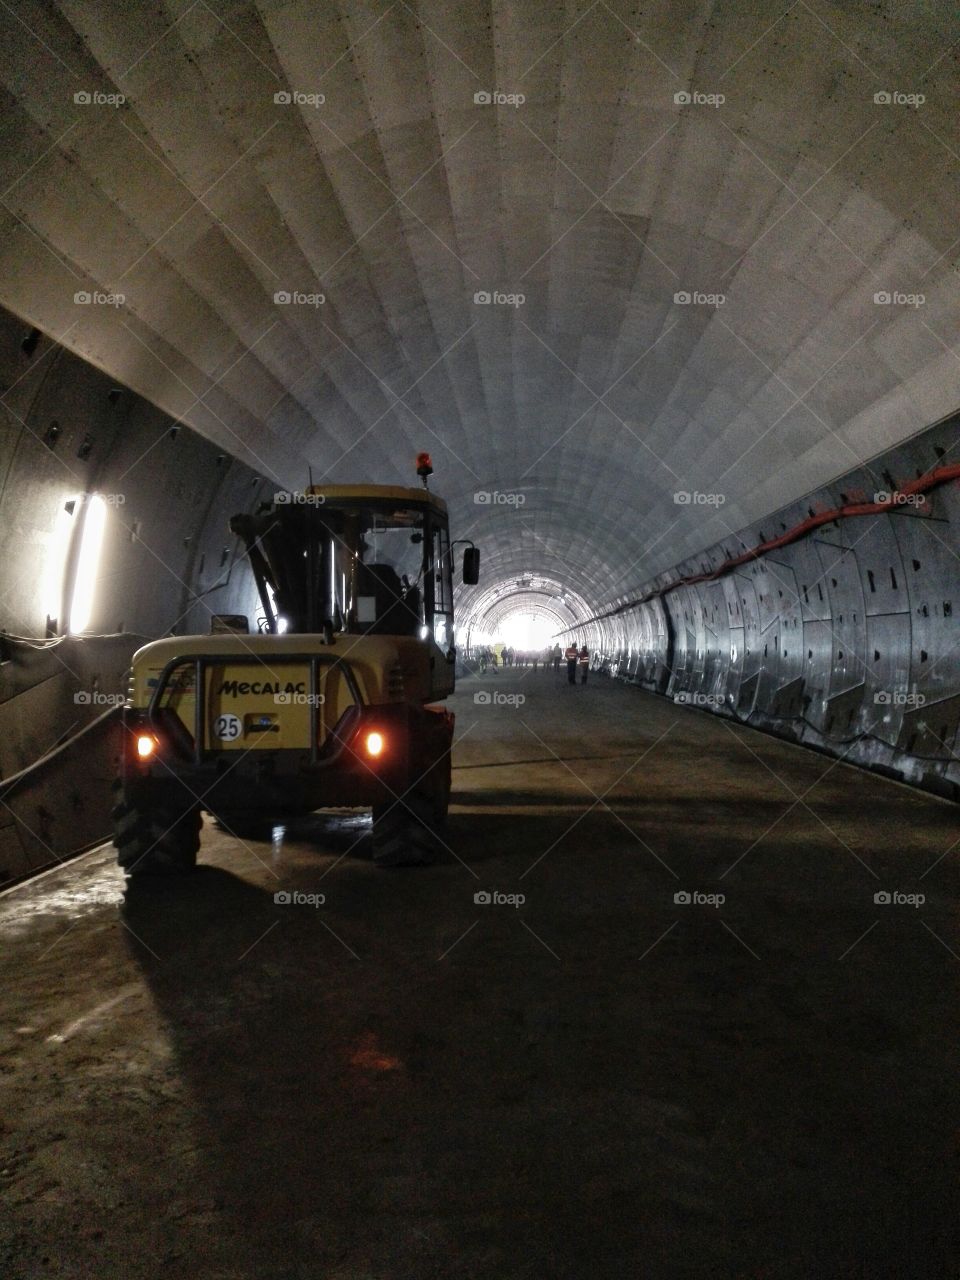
(571, 653)
(584, 660)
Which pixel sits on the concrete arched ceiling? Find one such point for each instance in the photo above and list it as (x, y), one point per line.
(620, 183)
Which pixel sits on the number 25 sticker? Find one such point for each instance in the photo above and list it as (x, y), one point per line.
(227, 728)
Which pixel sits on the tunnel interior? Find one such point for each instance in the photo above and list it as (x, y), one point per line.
(668, 297)
(642, 282)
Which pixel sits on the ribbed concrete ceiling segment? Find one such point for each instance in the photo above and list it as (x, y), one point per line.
(582, 410)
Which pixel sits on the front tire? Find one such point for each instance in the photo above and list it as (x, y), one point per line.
(159, 839)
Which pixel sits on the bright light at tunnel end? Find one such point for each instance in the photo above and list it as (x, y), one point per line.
(527, 629)
(528, 612)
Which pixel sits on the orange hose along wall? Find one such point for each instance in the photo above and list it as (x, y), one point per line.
(839, 630)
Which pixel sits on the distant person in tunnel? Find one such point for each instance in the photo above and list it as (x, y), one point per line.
(557, 655)
(584, 661)
(571, 654)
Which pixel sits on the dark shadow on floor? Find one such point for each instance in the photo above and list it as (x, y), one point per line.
(404, 1083)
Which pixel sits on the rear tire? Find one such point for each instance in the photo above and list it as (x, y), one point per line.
(155, 840)
(409, 832)
(406, 832)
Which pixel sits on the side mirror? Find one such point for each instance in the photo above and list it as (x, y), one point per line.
(471, 566)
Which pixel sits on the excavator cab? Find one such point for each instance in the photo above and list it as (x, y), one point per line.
(355, 561)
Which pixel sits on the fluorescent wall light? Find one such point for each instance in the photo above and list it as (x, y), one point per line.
(88, 562)
(58, 551)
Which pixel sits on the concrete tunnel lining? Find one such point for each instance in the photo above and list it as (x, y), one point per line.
(653, 285)
(761, 198)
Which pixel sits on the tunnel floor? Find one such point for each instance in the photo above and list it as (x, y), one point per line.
(599, 1080)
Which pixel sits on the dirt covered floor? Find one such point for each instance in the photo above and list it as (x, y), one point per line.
(584, 1076)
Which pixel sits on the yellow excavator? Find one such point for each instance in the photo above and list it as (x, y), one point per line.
(331, 702)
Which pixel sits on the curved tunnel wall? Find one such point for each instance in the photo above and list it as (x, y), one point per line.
(167, 562)
(67, 429)
(845, 640)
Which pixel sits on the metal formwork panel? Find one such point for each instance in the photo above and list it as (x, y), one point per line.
(683, 621)
(787, 699)
(809, 570)
(933, 590)
(842, 580)
(849, 637)
(816, 636)
(884, 581)
(663, 656)
(631, 662)
(752, 657)
(887, 659)
(733, 664)
(765, 585)
(818, 657)
(716, 641)
(931, 728)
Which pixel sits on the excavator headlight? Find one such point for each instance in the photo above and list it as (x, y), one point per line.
(146, 745)
(374, 744)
